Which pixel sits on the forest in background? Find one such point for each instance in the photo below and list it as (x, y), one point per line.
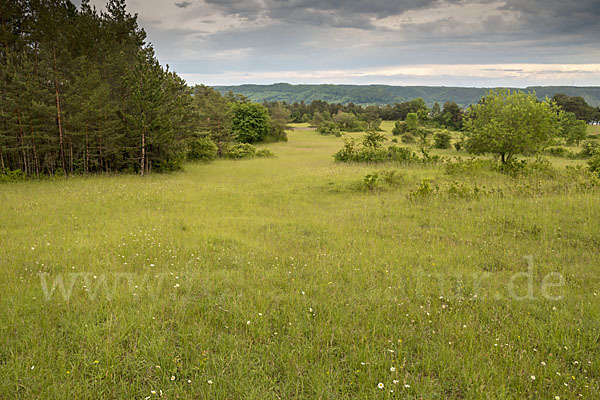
(384, 94)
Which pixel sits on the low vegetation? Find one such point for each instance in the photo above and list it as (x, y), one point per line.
(300, 277)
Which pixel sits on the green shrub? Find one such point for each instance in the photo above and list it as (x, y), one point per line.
(401, 154)
(371, 181)
(348, 152)
(376, 181)
(202, 149)
(557, 151)
(371, 155)
(462, 190)
(241, 150)
(540, 166)
(372, 150)
(589, 148)
(441, 140)
(424, 190)
(264, 153)
(408, 138)
(412, 121)
(329, 128)
(513, 167)
(400, 128)
(594, 163)
(8, 175)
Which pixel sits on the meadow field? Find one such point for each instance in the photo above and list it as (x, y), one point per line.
(299, 277)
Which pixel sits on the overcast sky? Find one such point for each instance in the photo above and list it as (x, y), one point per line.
(397, 42)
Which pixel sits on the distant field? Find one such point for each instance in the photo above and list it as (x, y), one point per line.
(286, 278)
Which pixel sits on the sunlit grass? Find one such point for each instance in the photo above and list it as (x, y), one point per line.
(278, 278)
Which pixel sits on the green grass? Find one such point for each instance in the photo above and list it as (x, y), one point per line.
(281, 278)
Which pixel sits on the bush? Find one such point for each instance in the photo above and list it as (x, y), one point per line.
(400, 128)
(590, 148)
(202, 149)
(401, 154)
(8, 175)
(264, 153)
(241, 150)
(329, 128)
(540, 166)
(380, 180)
(424, 190)
(408, 138)
(412, 121)
(371, 155)
(371, 181)
(558, 151)
(441, 140)
(594, 163)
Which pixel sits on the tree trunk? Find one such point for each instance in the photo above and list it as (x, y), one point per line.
(143, 162)
(22, 143)
(35, 156)
(58, 113)
(71, 155)
(87, 151)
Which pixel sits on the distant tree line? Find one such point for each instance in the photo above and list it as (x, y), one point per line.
(449, 115)
(385, 94)
(82, 92)
(353, 117)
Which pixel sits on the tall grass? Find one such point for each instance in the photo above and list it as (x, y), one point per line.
(276, 278)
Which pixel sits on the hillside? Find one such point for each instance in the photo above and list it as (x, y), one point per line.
(383, 94)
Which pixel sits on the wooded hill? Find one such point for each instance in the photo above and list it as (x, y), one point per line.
(383, 94)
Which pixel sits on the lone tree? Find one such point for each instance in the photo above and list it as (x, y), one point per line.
(508, 123)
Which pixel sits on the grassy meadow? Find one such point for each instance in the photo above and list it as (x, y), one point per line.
(287, 277)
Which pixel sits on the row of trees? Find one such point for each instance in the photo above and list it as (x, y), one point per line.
(449, 115)
(82, 92)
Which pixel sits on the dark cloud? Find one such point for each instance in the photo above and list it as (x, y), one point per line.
(258, 36)
(335, 13)
(183, 4)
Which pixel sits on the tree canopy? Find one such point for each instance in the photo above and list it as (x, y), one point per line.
(508, 123)
(250, 122)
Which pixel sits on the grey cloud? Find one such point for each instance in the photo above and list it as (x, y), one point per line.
(309, 35)
(183, 4)
(335, 13)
